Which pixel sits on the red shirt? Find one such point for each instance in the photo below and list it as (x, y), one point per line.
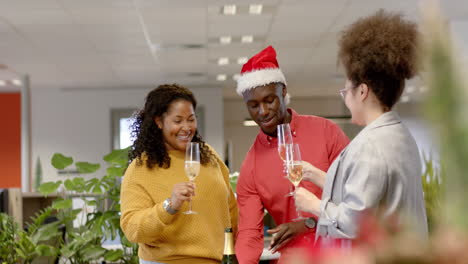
(262, 184)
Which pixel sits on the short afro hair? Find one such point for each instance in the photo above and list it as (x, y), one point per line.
(380, 51)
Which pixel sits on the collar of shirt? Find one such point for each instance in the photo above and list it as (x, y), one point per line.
(270, 141)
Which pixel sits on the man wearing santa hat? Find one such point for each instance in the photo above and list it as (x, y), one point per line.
(262, 183)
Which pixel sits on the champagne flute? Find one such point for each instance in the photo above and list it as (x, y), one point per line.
(192, 166)
(284, 137)
(294, 166)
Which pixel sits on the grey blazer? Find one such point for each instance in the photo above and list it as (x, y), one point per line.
(380, 169)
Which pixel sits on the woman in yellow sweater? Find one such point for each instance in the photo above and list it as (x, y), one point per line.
(155, 189)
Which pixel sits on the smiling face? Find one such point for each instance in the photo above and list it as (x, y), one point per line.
(266, 106)
(178, 125)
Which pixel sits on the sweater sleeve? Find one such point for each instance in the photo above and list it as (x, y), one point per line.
(142, 219)
(249, 244)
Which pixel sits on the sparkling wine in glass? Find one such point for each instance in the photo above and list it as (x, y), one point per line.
(294, 166)
(192, 166)
(284, 137)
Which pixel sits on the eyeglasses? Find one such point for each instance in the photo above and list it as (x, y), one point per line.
(343, 92)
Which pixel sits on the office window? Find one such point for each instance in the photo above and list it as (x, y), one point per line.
(122, 119)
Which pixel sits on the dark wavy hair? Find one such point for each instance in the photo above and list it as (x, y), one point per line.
(380, 51)
(149, 144)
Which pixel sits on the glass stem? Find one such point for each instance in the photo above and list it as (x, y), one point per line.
(190, 202)
(299, 214)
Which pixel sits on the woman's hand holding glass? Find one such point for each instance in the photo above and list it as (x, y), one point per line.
(307, 201)
(181, 193)
(294, 165)
(313, 174)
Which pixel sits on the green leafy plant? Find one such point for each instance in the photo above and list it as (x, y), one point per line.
(233, 177)
(446, 108)
(9, 231)
(83, 244)
(432, 187)
(24, 246)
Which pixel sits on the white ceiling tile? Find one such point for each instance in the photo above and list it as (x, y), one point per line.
(90, 4)
(304, 23)
(243, 2)
(5, 28)
(89, 44)
(105, 16)
(42, 16)
(234, 51)
(164, 4)
(7, 6)
(363, 8)
(239, 25)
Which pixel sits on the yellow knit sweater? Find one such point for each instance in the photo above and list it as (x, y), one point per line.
(178, 238)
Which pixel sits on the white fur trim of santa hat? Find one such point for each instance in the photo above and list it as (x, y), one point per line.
(260, 77)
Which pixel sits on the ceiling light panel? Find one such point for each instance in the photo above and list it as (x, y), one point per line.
(221, 77)
(229, 10)
(255, 9)
(225, 39)
(247, 39)
(223, 61)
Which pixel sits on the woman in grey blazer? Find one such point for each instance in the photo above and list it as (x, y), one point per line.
(380, 170)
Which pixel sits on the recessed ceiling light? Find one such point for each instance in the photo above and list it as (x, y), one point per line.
(16, 82)
(242, 60)
(247, 39)
(223, 61)
(225, 39)
(221, 77)
(229, 9)
(235, 77)
(255, 9)
(249, 123)
(2, 83)
(410, 89)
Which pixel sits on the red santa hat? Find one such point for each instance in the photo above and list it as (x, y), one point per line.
(261, 69)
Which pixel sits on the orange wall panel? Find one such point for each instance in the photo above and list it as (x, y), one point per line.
(10, 140)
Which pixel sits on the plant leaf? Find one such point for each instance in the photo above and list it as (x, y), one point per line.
(93, 252)
(113, 255)
(116, 171)
(69, 185)
(49, 187)
(118, 156)
(80, 184)
(59, 161)
(62, 204)
(86, 167)
(46, 251)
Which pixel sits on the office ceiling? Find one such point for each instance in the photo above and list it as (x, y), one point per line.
(133, 44)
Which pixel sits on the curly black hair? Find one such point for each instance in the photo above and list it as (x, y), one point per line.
(149, 144)
(380, 51)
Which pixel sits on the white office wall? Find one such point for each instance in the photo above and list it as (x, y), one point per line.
(78, 122)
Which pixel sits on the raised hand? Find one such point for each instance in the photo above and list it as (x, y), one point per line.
(313, 174)
(181, 193)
